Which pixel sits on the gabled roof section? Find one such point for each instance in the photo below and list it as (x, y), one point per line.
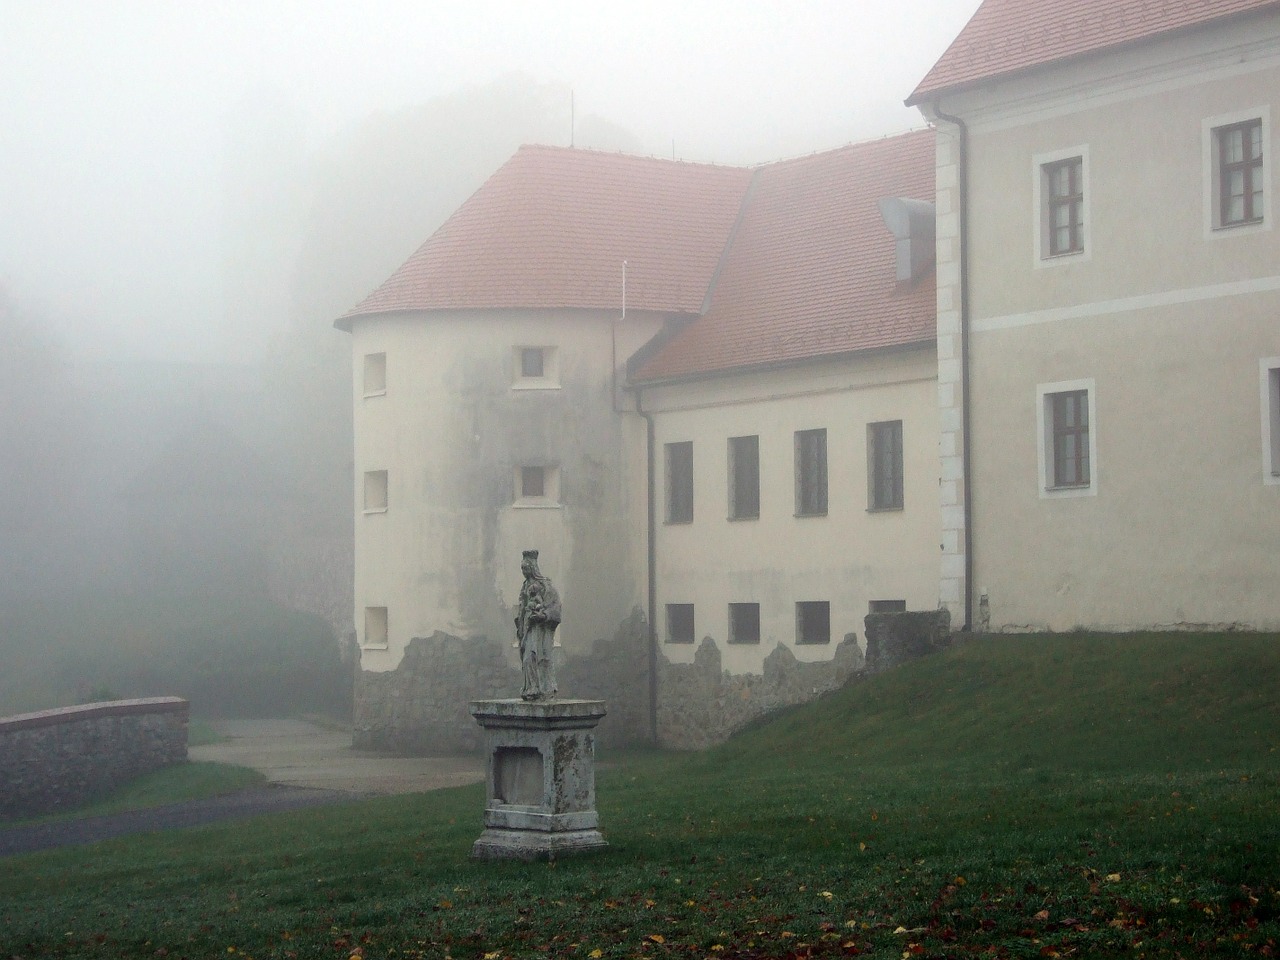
(1009, 36)
(551, 228)
(811, 270)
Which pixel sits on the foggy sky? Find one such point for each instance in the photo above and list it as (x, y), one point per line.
(115, 115)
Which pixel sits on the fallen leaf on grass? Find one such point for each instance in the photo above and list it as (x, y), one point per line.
(657, 938)
(596, 954)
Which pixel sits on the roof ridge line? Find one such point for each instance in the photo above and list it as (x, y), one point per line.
(728, 244)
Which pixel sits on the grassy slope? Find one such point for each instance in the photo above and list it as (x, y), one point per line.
(1029, 796)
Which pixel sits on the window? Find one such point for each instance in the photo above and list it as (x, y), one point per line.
(680, 482)
(884, 465)
(1068, 442)
(1271, 420)
(375, 491)
(537, 485)
(744, 478)
(744, 623)
(535, 368)
(375, 627)
(1236, 170)
(1240, 181)
(887, 606)
(1061, 196)
(811, 473)
(680, 623)
(813, 621)
(375, 374)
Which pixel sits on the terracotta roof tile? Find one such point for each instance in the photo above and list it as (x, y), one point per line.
(811, 270)
(551, 228)
(1009, 36)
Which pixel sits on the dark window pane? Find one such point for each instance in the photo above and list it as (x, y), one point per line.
(813, 621)
(744, 623)
(679, 623)
(886, 465)
(533, 482)
(680, 482)
(811, 472)
(531, 364)
(744, 477)
(887, 606)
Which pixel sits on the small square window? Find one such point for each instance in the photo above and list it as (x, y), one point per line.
(884, 465)
(1068, 442)
(811, 473)
(887, 606)
(813, 621)
(1271, 420)
(679, 457)
(375, 627)
(1240, 178)
(375, 374)
(537, 485)
(744, 623)
(531, 362)
(680, 623)
(375, 491)
(535, 368)
(744, 478)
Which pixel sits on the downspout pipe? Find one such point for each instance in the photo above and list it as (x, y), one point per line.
(965, 441)
(652, 534)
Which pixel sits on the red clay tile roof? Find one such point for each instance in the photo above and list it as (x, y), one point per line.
(1009, 36)
(811, 270)
(551, 228)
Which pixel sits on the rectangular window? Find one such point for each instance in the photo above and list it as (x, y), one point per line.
(1069, 413)
(813, 621)
(744, 478)
(680, 623)
(1063, 194)
(375, 627)
(375, 491)
(887, 606)
(375, 374)
(535, 368)
(1065, 419)
(1240, 173)
(744, 623)
(884, 465)
(811, 473)
(1271, 420)
(537, 485)
(680, 482)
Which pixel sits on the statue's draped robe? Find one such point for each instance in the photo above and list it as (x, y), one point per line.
(536, 622)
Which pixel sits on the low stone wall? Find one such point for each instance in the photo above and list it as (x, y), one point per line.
(700, 705)
(57, 759)
(895, 638)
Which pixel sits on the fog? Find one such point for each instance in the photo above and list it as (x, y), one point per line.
(191, 193)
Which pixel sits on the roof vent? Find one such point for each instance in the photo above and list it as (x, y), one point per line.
(912, 224)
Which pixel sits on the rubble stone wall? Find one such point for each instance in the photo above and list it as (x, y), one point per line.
(57, 759)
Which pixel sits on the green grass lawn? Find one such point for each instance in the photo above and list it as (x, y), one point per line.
(1015, 797)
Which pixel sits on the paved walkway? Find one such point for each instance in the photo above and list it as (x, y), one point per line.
(301, 754)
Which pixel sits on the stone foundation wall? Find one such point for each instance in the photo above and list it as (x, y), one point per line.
(895, 638)
(58, 759)
(700, 705)
(420, 708)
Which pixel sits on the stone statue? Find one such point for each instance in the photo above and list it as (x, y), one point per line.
(537, 617)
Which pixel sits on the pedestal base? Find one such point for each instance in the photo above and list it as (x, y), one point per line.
(541, 778)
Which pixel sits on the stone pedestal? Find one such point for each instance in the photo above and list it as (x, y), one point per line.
(541, 776)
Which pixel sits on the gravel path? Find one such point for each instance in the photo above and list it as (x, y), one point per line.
(305, 765)
(192, 813)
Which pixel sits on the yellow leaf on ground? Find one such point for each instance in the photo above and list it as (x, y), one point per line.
(1113, 878)
(657, 938)
(596, 954)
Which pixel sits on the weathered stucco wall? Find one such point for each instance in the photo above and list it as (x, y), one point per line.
(56, 759)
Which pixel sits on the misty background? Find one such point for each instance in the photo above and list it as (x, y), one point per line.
(191, 194)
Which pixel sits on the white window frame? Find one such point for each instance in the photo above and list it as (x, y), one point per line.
(550, 499)
(375, 482)
(1213, 229)
(550, 379)
(1044, 439)
(374, 382)
(375, 632)
(1041, 257)
(1269, 388)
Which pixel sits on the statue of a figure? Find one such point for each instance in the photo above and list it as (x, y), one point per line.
(537, 617)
